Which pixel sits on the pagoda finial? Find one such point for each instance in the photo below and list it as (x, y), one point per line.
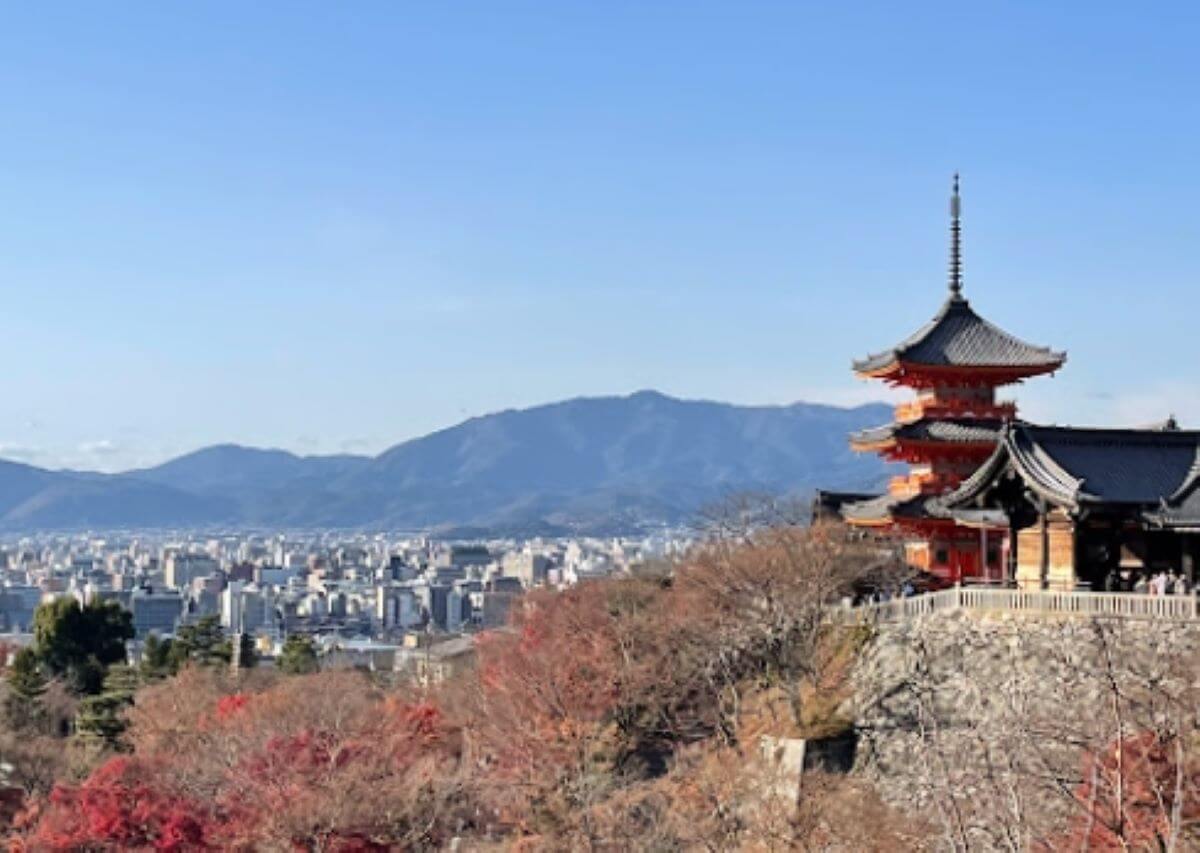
(955, 242)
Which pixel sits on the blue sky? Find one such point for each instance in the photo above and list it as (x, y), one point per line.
(330, 227)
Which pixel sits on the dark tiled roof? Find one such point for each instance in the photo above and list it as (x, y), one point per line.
(836, 500)
(958, 337)
(886, 507)
(1110, 466)
(981, 517)
(973, 486)
(1070, 467)
(1184, 511)
(963, 431)
(828, 504)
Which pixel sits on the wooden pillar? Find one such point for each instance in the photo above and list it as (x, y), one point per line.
(1012, 551)
(1045, 521)
(1079, 558)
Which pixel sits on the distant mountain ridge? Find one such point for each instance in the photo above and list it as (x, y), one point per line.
(591, 463)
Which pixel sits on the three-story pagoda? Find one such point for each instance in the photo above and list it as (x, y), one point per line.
(954, 364)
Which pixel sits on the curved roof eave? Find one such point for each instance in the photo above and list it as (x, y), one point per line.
(1190, 482)
(978, 342)
(1037, 469)
(974, 485)
(1042, 473)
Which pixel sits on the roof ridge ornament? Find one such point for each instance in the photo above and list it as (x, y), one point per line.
(955, 242)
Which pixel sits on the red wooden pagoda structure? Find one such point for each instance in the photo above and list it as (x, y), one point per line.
(954, 363)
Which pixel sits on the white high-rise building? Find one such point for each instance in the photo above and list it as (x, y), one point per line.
(181, 569)
(245, 608)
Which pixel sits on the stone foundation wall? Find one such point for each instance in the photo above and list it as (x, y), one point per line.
(980, 721)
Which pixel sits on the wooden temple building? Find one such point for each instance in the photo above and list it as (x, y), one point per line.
(989, 497)
(954, 364)
(1090, 508)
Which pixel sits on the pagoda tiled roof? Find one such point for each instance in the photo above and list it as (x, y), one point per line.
(1153, 471)
(888, 507)
(829, 499)
(956, 431)
(958, 337)
(828, 504)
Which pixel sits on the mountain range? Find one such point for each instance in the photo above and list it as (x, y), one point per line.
(603, 464)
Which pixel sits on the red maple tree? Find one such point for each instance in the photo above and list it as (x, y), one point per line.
(123, 804)
(1135, 794)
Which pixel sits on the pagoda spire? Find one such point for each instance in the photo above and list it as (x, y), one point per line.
(955, 242)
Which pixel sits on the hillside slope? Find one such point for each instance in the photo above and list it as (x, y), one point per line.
(604, 464)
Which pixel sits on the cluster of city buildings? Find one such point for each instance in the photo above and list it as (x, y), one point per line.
(376, 601)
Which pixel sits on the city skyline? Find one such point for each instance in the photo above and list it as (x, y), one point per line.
(329, 231)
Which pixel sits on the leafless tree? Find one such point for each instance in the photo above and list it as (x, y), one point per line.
(1106, 756)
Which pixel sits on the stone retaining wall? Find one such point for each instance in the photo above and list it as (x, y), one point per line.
(980, 721)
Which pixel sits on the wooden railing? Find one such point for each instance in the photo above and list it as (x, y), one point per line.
(913, 410)
(1125, 605)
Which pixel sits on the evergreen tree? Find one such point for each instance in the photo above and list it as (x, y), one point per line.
(81, 642)
(298, 656)
(203, 643)
(23, 709)
(85, 677)
(156, 659)
(101, 718)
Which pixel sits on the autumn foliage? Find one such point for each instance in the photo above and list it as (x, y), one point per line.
(123, 805)
(601, 695)
(1138, 793)
(320, 762)
(607, 714)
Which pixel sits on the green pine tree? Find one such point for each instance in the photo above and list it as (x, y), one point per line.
(79, 642)
(101, 718)
(203, 643)
(23, 708)
(156, 659)
(298, 656)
